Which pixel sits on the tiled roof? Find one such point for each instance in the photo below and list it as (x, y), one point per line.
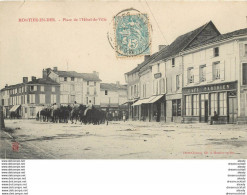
(223, 37)
(85, 76)
(12, 86)
(112, 86)
(136, 69)
(179, 44)
(174, 48)
(47, 81)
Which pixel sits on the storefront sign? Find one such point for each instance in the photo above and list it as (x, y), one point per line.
(157, 75)
(209, 88)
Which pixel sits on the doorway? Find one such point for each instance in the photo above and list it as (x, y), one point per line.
(233, 110)
(206, 110)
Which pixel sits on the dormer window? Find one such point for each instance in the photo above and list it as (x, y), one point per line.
(158, 68)
(173, 62)
(65, 78)
(216, 51)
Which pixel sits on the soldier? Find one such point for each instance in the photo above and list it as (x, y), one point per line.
(90, 106)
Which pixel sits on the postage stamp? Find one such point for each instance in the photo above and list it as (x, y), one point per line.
(132, 34)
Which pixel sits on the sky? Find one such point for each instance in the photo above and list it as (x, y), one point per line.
(28, 47)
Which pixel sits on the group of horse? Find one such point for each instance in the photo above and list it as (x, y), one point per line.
(65, 113)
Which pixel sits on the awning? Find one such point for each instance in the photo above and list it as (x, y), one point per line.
(139, 102)
(155, 99)
(14, 108)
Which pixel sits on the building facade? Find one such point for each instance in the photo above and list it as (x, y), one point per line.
(200, 74)
(215, 74)
(26, 99)
(79, 87)
(113, 98)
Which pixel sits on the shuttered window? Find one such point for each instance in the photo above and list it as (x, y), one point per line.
(244, 73)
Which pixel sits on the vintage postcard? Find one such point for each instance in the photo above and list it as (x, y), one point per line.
(123, 80)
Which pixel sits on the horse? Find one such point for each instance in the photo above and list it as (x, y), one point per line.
(45, 114)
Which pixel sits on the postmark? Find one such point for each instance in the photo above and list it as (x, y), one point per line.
(131, 34)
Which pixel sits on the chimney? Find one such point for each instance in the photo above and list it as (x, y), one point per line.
(6, 85)
(44, 73)
(146, 57)
(96, 73)
(25, 79)
(55, 69)
(162, 47)
(33, 78)
(118, 83)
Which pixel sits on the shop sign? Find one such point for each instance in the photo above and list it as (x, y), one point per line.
(209, 88)
(157, 75)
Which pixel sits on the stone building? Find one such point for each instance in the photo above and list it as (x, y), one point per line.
(74, 86)
(26, 99)
(215, 79)
(201, 73)
(113, 98)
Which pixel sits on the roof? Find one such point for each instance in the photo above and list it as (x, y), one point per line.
(178, 45)
(112, 86)
(85, 76)
(136, 69)
(181, 42)
(222, 37)
(47, 81)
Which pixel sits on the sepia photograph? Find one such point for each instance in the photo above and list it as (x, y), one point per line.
(123, 80)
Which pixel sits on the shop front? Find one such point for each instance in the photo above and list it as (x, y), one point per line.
(205, 101)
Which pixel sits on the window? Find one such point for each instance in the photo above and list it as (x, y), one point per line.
(135, 90)
(195, 99)
(65, 79)
(87, 82)
(72, 87)
(245, 49)
(42, 88)
(216, 70)
(202, 73)
(87, 100)
(31, 98)
(222, 101)
(244, 73)
(72, 78)
(72, 98)
(173, 62)
(94, 83)
(53, 99)
(53, 89)
(64, 99)
(216, 51)
(42, 98)
(106, 92)
(176, 107)
(214, 105)
(95, 92)
(177, 82)
(33, 88)
(190, 75)
(158, 68)
(188, 105)
(87, 90)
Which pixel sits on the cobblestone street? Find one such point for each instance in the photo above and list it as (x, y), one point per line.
(119, 140)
